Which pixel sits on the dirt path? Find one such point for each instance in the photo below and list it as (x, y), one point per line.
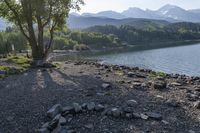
(25, 99)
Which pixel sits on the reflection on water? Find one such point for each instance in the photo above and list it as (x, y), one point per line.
(182, 60)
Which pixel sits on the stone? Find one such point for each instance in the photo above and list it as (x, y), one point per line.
(43, 130)
(89, 126)
(53, 124)
(191, 131)
(128, 115)
(144, 117)
(172, 103)
(91, 106)
(68, 110)
(130, 74)
(2, 72)
(192, 97)
(105, 85)
(55, 110)
(62, 121)
(155, 116)
(128, 109)
(165, 122)
(159, 85)
(197, 105)
(175, 84)
(45, 125)
(131, 103)
(99, 108)
(116, 112)
(136, 115)
(77, 108)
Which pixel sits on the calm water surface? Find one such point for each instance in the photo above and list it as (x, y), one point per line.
(182, 59)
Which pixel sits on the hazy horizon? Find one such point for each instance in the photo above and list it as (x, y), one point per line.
(94, 6)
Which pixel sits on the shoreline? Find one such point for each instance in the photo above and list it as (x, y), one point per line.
(26, 98)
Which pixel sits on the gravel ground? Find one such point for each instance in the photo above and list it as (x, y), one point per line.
(25, 99)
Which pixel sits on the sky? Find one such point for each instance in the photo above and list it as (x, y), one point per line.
(94, 6)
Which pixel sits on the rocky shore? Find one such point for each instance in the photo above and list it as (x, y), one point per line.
(88, 97)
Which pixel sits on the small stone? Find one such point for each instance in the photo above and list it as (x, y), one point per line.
(191, 131)
(197, 105)
(45, 125)
(172, 103)
(89, 126)
(56, 109)
(53, 124)
(128, 109)
(159, 85)
(128, 115)
(99, 108)
(67, 110)
(91, 106)
(155, 116)
(43, 130)
(175, 84)
(105, 85)
(144, 117)
(62, 121)
(192, 97)
(131, 103)
(115, 112)
(136, 115)
(77, 107)
(165, 122)
(130, 74)
(136, 84)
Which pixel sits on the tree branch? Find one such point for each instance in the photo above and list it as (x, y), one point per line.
(18, 20)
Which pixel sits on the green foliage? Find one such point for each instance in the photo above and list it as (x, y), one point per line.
(12, 38)
(157, 74)
(21, 60)
(132, 35)
(78, 40)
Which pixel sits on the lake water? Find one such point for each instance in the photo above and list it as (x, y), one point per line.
(182, 59)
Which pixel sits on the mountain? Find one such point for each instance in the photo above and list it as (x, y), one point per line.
(106, 14)
(81, 22)
(168, 12)
(177, 13)
(194, 11)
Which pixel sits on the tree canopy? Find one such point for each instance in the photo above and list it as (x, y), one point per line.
(33, 17)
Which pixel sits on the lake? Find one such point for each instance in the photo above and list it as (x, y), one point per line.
(181, 59)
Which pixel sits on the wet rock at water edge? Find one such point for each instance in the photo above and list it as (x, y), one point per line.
(56, 109)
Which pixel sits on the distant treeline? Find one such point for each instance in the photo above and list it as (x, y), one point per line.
(104, 37)
(132, 35)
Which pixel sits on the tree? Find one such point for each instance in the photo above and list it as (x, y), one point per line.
(33, 17)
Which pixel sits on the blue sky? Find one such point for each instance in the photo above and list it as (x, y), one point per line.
(120, 5)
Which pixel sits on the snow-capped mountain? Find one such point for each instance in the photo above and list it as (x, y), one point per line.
(177, 13)
(168, 12)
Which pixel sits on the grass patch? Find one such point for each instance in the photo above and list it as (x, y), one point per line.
(157, 74)
(19, 60)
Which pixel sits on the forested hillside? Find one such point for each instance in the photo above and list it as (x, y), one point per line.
(132, 35)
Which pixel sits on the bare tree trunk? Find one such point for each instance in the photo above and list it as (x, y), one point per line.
(39, 57)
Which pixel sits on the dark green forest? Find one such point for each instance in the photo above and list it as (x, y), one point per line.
(101, 37)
